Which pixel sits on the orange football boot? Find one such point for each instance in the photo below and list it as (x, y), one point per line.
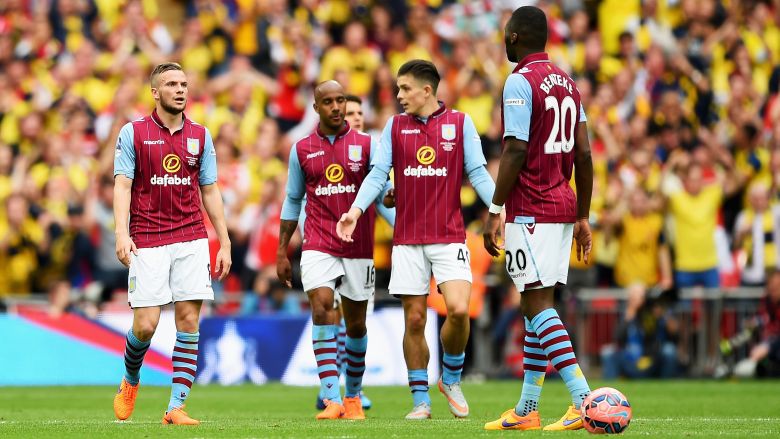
(333, 410)
(124, 400)
(510, 420)
(353, 408)
(178, 416)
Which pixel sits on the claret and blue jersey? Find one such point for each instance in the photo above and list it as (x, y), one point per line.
(167, 170)
(429, 157)
(541, 105)
(328, 170)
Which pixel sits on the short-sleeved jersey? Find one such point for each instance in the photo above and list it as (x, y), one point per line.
(542, 107)
(333, 174)
(428, 162)
(167, 170)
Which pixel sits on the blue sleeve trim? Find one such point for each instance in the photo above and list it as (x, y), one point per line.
(208, 162)
(296, 188)
(517, 107)
(473, 156)
(124, 155)
(383, 159)
(483, 183)
(371, 188)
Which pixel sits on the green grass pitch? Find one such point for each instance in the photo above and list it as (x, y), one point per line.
(661, 409)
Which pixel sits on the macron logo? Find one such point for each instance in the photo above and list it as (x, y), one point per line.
(315, 154)
(414, 131)
(154, 142)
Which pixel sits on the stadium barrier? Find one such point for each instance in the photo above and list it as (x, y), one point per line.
(705, 317)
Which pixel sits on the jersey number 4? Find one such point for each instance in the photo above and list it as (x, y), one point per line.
(561, 110)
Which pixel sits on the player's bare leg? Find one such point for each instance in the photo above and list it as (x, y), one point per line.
(324, 331)
(145, 322)
(454, 336)
(185, 360)
(537, 307)
(416, 354)
(356, 343)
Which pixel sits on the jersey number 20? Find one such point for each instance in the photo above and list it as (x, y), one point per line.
(560, 112)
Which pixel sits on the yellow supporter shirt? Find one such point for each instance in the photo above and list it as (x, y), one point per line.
(98, 93)
(744, 161)
(613, 16)
(260, 171)
(360, 66)
(695, 218)
(413, 51)
(19, 260)
(637, 260)
(480, 108)
(247, 122)
(6, 188)
(245, 37)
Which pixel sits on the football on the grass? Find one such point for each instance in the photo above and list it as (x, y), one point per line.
(606, 410)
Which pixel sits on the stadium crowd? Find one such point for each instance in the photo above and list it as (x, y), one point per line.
(681, 97)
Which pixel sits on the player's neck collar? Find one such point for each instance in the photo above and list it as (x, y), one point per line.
(439, 111)
(532, 58)
(344, 130)
(156, 119)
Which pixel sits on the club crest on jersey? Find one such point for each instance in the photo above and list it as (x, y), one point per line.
(355, 153)
(448, 131)
(193, 146)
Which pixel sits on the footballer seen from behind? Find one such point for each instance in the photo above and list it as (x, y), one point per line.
(545, 136)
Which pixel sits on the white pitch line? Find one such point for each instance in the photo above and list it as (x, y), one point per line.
(709, 419)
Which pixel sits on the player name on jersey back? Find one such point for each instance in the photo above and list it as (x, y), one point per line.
(544, 106)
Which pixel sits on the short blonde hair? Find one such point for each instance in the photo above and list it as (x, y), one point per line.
(161, 68)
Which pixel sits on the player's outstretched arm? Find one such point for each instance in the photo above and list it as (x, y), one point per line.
(372, 186)
(583, 178)
(212, 201)
(124, 244)
(370, 190)
(512, 162)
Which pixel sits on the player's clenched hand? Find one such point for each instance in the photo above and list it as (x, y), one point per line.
(346, 225)
(491, 234)
(389, 199)
(284, 270)
(124, 246)
(223, 262)
(582, 237)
